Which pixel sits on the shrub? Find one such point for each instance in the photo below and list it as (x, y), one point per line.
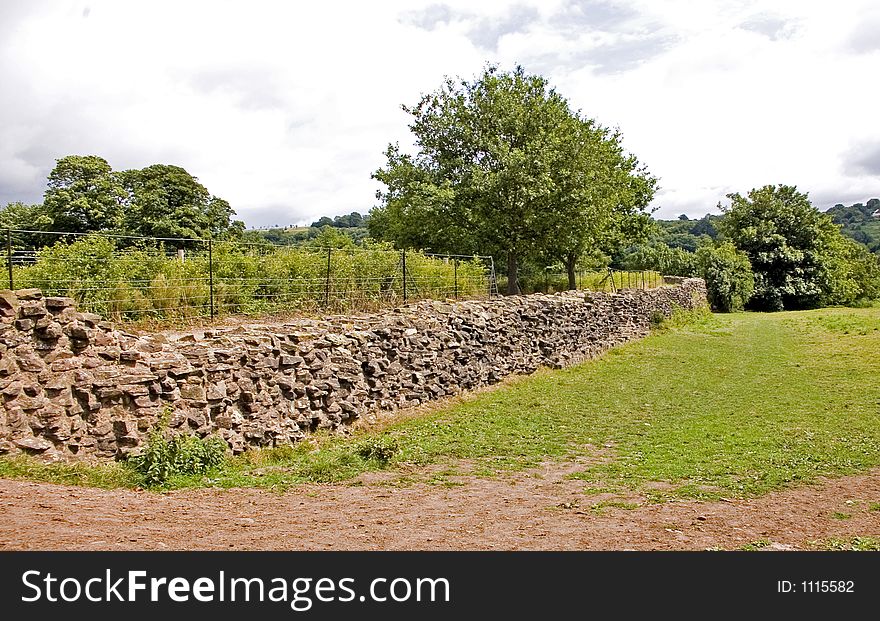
(163, 457)
(798, 254)
(380, 448)
(728, 275)
(149, 280)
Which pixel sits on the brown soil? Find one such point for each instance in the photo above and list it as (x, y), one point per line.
(540, 509)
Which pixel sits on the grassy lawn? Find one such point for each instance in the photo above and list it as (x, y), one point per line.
(728, 405)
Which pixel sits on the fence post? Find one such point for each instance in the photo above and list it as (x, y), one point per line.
(455, 272)
(9, 256)
(211, 276)
(327, 279)
(403, 267)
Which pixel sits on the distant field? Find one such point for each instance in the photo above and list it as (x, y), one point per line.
(728, 406)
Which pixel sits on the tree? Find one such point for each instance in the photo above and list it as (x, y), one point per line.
(600, 194)
(83, 195)
(323, 221)
(658, 257)
(22, 217)
(503, 167)
(798, 254)
(166, 201)
(728, 275)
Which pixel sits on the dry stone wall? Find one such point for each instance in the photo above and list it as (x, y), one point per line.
(72, 386)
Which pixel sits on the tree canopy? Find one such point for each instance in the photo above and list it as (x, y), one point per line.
(505, 167)
(166, 201)
(85, 195)
(799, 256)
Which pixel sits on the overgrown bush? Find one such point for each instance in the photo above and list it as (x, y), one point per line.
(799, 256)
(163, 457)
(728, 275)
(151, 280)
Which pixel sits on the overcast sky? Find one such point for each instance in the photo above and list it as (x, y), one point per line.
(285, 108)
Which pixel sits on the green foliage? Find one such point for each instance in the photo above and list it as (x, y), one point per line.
(505, 167)
(107, 475)
(181, 455)
(728, 275)
(380, 448)
(84, 195)
(798, 255)
(149, 280)
(688, 234)
(352, 220)
(661, 258)
(854, 544)
(166, 201)
(859, 223)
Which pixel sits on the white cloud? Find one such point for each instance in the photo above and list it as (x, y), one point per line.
(284, 109)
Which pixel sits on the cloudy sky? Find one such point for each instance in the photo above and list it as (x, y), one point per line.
(285, 108)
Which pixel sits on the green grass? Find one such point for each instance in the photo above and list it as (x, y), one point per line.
(726, 406)
(107, 476)
(855, 544)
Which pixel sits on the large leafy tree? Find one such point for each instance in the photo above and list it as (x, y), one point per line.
(83, 195)
(798, 255)
(167, 201)
(600, 194)
(503, 166)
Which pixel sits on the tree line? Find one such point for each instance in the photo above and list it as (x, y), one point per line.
(85, 195)
(504, 166)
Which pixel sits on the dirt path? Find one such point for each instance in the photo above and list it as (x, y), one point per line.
(536, 510)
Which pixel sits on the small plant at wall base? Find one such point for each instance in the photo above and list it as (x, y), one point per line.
(163, 458)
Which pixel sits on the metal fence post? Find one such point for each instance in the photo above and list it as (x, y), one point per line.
(211, 276)
(9, 256)
(327, 279)
(403, 268)
(455, 272)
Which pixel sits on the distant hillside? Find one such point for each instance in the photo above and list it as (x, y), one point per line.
(858, 221)
(354, 225)
(685, 233)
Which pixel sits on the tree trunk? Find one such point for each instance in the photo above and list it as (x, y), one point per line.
(570, 264)
(512, 273)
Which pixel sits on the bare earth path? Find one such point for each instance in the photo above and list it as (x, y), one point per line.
(536, 510)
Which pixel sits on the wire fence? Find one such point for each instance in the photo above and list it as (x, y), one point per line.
(135, 278)
(171, 279)
(609, 280)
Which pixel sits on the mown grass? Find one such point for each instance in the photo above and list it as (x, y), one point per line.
(724, 406)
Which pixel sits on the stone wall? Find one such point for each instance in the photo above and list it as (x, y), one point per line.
(73, 386)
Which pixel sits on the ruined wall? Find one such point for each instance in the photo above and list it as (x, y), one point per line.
(71, 385)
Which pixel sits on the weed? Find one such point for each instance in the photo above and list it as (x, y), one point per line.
(182, 455)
